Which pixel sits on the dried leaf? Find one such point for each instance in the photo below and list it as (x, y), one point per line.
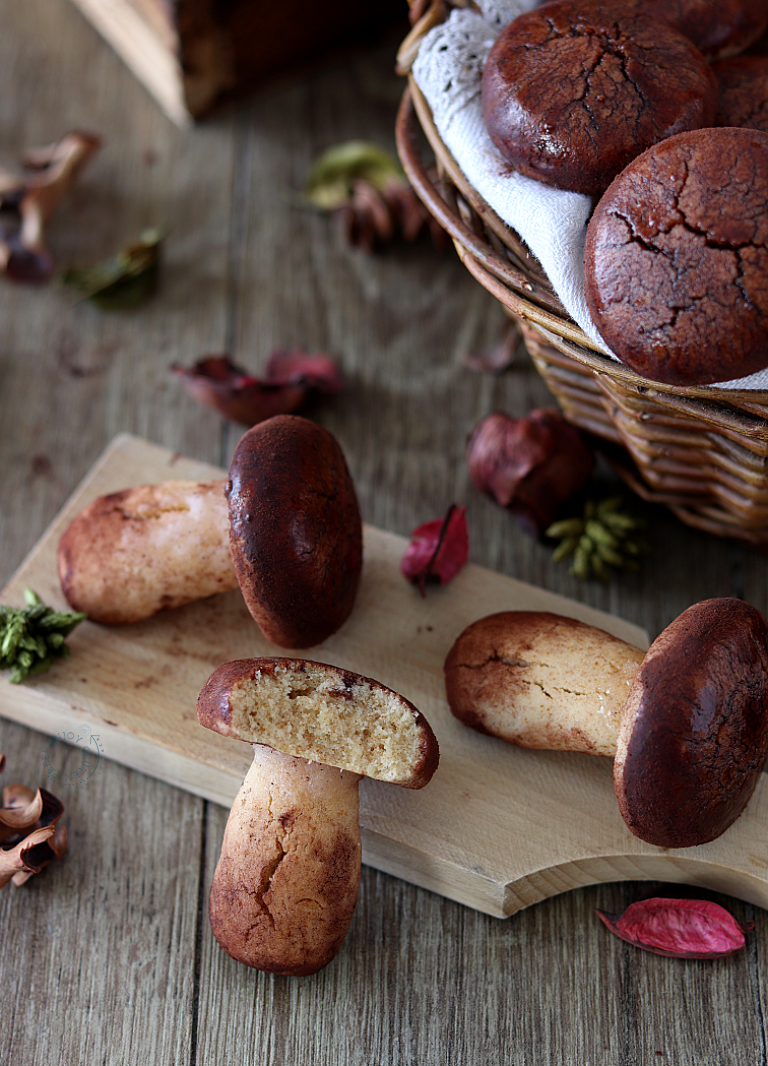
(125, 280)
(438, 549)
(290, 377)
(679, 928)
(531, 466)
(27, 203)
(332, 179)
(293, 366)
(501, 356)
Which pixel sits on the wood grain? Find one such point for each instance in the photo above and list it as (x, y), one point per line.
(108, 958)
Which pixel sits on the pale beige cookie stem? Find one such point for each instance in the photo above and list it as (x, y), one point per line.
(286, 883)
(540, 680)
(133, 553)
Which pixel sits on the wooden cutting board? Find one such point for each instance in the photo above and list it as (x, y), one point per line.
(498, 828)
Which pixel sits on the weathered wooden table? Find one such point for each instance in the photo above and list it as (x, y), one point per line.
(108, 957)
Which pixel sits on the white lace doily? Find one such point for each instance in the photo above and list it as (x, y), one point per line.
(552, 222)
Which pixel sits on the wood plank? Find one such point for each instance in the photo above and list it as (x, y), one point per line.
(419, 978)
(137, 687)
(102, 900)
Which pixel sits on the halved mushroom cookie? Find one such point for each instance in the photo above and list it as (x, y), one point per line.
(287, 879)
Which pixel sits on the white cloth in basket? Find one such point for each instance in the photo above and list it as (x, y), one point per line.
(552, 222)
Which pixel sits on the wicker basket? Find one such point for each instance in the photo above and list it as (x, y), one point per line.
(703, 452)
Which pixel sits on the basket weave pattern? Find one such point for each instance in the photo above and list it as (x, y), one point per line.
(703, 452)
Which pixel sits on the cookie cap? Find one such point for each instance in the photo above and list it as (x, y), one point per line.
(694, 734)
(295, 530)
(323, 714)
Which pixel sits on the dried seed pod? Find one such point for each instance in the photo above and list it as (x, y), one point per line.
(679, 928)
(530, 466)
(29, 836)
(26, 204)
(365, 186)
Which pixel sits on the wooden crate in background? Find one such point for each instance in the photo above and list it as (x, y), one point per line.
(194, 54)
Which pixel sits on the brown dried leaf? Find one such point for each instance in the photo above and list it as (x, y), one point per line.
(289, 378)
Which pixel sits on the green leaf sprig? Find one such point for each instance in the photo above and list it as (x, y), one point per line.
(602, 538)
(32, 637)
(125, 280)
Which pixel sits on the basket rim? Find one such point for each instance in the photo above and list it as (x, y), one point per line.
(500, 278)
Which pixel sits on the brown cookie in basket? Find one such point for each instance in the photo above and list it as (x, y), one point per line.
(743, 99)
(718, 28)
(676, 259)
(573, 91)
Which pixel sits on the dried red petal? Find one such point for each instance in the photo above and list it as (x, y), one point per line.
(438, 549)
(531, 466)
(290, 366)
(679, 928)
(242, 397)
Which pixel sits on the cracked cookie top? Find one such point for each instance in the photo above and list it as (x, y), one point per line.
(718, 28)
(676, 259)
(743, 98)
(572, 92)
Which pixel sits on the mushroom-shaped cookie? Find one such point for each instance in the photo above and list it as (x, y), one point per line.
(285, 527)
(687, 722)
(286, 883)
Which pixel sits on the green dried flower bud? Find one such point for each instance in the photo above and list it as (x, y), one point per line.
(32, 637)
(601, 539)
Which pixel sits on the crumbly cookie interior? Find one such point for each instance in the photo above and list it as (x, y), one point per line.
(333, 717)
